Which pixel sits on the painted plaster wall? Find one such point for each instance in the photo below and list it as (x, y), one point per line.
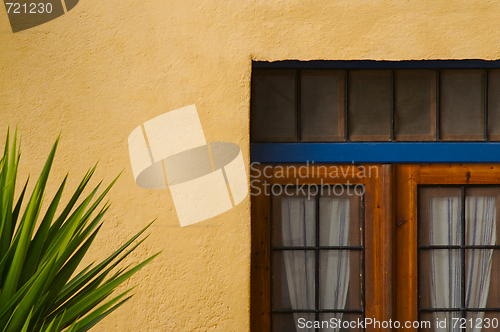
(106, 67)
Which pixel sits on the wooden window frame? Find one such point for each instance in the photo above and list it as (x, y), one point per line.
(408, 178)
(379, 235)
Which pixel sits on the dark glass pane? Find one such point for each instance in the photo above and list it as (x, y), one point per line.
(291, 322)
(340, 279)
(274, 113)
(293, 279)
(488, 321)
(440, 321)
(340, 322)
(462, 104)
(494, 104)
(370, 95)
(294, 221)
(414, 105)
(440, 216)
(322, 105)
(456, 321)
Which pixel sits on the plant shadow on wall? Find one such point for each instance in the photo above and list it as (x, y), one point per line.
(39, 287)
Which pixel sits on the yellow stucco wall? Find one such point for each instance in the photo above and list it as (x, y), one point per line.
(106, 67)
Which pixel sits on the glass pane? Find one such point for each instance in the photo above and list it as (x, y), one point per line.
(274, 116)
(494, 104)
(440, 278)
(292, 322)
(494, 291)
(340, 322)
(339, 220)
(322, 105)
(370, 95)
(415, 105)
(456, 321)
(441, 322)
(462, 104)
(294, 221)
(483, 321)
(293, 279)
(481, 278)
(440, 216)
(340, 279)
(481, 216)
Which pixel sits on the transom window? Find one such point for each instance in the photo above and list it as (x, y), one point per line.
(328, 105)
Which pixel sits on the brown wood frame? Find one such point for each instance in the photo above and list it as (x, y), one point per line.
(408, 177)
(379, 235)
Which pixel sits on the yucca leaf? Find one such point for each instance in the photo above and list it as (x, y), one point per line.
(89, 302)
(36, 245)
(27, 323)
(37, 293)
(10, 306)
(81, 293)
(17, 209)
(96, 316)
(82, 279)
(54, 228)
(77, 240)
(25, 230)
(93, 285)
(65, 273)
(28, 302)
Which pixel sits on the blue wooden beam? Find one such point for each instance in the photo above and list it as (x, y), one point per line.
(381, 152)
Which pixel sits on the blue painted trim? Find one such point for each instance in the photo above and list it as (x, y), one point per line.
(380, 152)
(374, 64)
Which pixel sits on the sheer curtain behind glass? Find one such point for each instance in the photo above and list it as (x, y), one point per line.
(334, 221)
(298, 214)
(481, 228)
(445, 228)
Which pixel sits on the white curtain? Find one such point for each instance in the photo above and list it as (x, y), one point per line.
(334, 225)
(446, 265)
(481, 230)
(298, 229)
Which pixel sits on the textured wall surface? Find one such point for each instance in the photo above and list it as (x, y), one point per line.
(106, 67)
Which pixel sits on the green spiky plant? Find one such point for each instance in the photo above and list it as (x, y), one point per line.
(39, 287)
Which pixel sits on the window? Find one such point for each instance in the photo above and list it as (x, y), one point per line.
(420, 244)
(317, 252)
(448, 223)
(458, 255)
(317, 232)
